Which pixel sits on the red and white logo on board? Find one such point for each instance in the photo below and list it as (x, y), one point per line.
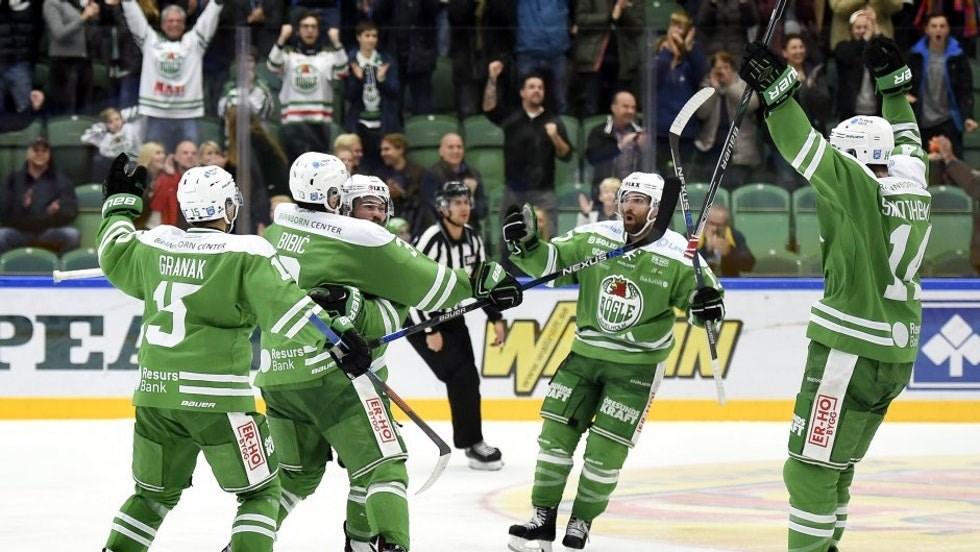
(823, 421)
(250, 446)
(379, 421)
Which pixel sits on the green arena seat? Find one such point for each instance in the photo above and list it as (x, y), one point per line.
(952, 222)
(567, 173)
(567, 220)
(490, 163)
(28, 260)
(80, 258)
(950, 264)
(805, 219)
(762, 212)
(442, 87)
(479, 132)
(425, 131)
(89, 213)
(776, 263)
(574, 130)
(425, 157)
(68, 153)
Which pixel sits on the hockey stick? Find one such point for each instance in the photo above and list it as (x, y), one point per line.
(62, 275)
(676, 129)
(729, 145)
(668, 201)
(444, 450)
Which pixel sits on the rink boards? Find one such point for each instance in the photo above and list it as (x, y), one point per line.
(69, 351)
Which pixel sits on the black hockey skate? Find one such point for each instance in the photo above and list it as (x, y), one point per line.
(358, 546)
(576, 533)
(484, 457)
(540, 530)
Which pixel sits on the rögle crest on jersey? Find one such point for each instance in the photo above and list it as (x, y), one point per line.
(620, 303)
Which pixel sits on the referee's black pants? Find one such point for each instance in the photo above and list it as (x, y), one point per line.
(455, 366)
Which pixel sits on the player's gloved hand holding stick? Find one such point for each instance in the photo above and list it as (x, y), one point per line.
(768, 75)
(707, 307)
(492, 283)
(351, 352)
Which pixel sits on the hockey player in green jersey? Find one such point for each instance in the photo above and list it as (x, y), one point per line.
(204, 291)
(625, 331)
(873, 210)
(312, 404)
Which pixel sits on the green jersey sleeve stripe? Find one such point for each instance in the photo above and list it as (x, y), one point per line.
(131, 534)
(449, 288)
(914, 137)
(857, 334)
(290, 314)
(437, 284)
(816, 518)
(215, 391)
(221, 378)
(388, 315)
(136, 524)
(801, 155)
(115, 230)
(815, 162)
(303, 321)
(856, 320)
(899, 127)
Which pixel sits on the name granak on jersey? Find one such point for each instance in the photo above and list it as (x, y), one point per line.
(182, 267)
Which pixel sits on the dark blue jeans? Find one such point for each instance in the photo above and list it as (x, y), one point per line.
(63, 238)
(15, 79)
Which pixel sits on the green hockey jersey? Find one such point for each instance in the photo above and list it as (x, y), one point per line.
(327, 248)
(625, 310)
(873, 233)
(203, 293)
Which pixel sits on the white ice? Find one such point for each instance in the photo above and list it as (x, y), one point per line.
(685, 488)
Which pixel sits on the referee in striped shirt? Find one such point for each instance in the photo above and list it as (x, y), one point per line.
(447, 348)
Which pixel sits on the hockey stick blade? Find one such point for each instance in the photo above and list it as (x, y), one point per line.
(59, 276)
(686, 112)
(668, 202)
(444, 450)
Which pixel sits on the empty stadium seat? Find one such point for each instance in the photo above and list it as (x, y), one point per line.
(478, 132)
(425, 131)
(79, 259)
(952, 222)
(776, 263)
(89, 213)
(567, 173)
(761, 212)
(490, 163)
(425, 157)
(574, 129)
(68, 153)
(805, 219)
(28, 260)
(442, 86)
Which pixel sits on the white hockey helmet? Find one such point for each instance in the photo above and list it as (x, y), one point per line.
(318, 178)
(366, 186)
(869, 139)
(208, 193)
(650, 185)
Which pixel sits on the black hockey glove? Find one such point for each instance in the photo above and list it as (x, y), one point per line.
(338, 300)
(122, 191)
(768, 75)
(520, 230)
(706, 306)
(884, 59)
(490, 281)
(352, 353)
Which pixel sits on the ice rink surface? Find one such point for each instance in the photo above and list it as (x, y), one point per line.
(687, 487)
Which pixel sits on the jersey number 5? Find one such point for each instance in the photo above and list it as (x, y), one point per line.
(155, 335)
(898, 290)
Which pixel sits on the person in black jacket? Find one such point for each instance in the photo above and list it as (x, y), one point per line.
(39, 204)
(447, 347)
(856, 91)
(615, 148)
(408, 31)
(942, 85)
(467, 52)
(451, 166)
(20, 31)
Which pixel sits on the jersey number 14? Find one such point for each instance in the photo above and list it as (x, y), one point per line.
(898, 290)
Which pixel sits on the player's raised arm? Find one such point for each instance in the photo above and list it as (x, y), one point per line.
(533, 255)
(122, 203)
(893, 79)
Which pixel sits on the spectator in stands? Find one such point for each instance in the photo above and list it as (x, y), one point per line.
(404, 179)
(542, 44)
(589, 213)
(71, 26)
(260, 98)
(266, 17)
(606, 50)
(962, 17)
(20, 31)
(171, 83)
(39, 204)
(954, 171)
(125, 59)
(680, 67)
(724, 25)
(349, 149)
(152, 156)
(942, 85)
(451, 166)
(373, 93)
(307, 95)
(210, 153)
(724, 247)
(164, 201)
(409, 34)
(533, 138)
(854, 98)
(111, 137)
(615, 149)
(467, 52)
(840, 26)
(716, 116)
